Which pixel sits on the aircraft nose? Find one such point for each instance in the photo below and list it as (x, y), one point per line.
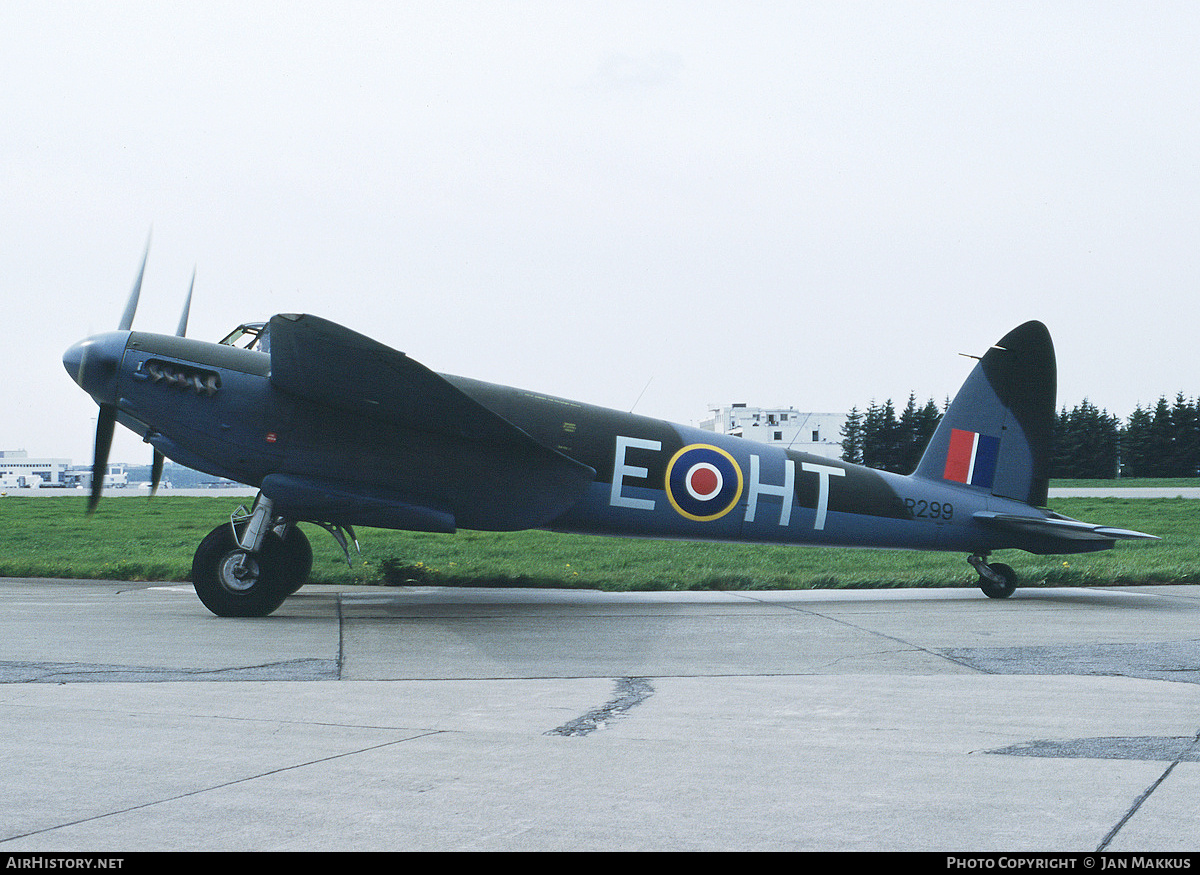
(93, 364)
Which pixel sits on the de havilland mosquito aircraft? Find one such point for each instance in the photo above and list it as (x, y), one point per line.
(338, 430)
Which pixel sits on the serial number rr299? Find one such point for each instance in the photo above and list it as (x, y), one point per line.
(931, 510)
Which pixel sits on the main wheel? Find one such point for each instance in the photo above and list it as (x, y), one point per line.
(1005, 588)
(298, 558)
(233, 583)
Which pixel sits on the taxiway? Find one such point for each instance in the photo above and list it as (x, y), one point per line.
(448, 719)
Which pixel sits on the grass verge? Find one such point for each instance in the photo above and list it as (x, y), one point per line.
(135, 539)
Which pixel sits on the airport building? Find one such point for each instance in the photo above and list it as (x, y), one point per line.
(19, 471)
(817, 433)
(115, 476)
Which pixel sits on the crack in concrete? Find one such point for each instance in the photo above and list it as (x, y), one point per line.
(84, 672)
(1188, 754)
(629, 693)
(1146, 748)
(219, 786)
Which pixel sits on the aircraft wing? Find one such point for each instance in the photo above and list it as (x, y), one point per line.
(493, 474)
(322, 361)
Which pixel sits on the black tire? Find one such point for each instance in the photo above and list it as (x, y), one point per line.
(298, 558)
(262, 586)
(1005, 588)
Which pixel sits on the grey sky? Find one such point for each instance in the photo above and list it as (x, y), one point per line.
(808, 203)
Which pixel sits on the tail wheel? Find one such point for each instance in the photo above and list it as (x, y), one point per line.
(1003, 588)
(234, 583)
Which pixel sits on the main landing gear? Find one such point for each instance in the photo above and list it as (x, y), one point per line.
(997, 580)
(248, 566)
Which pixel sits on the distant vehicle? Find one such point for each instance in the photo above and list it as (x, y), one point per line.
(165, 484)
(339, 430)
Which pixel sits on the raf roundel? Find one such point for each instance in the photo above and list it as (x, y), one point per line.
(703, 482)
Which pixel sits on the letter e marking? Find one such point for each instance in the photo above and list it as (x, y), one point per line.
(621, 470)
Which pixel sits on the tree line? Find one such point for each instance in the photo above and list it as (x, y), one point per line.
(1162, 441)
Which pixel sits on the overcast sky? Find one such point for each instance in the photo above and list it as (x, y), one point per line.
(814, 204)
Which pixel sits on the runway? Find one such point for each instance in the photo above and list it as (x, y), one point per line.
(515, 720)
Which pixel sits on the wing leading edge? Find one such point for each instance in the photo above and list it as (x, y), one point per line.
(496, 476)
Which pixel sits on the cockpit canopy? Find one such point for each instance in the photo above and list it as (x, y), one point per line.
(254, 336)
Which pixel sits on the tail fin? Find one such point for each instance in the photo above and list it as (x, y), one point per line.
(997, 433)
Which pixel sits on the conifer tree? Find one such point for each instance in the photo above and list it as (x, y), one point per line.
(852, 438)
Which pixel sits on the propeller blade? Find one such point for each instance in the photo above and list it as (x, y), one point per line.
(156, 470)
(105, 426)
(131, 305)
(187, 306)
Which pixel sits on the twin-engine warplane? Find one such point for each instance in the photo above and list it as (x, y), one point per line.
(338, 430)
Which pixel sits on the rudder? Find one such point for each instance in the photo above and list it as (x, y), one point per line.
(998, 432)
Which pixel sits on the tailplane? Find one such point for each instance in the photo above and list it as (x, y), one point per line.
(997, 434)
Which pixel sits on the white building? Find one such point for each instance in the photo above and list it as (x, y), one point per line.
(18, 470)
(115, 476)
(817, 433)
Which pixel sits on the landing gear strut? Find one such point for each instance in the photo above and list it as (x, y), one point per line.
(248, 566)
(997, 580)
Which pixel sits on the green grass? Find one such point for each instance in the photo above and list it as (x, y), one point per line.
(1128, 483)
(135, 539)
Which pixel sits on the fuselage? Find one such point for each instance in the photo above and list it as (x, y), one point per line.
(214, 408)
(659, 479)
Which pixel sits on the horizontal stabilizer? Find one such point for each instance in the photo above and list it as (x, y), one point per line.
(1058, 527)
